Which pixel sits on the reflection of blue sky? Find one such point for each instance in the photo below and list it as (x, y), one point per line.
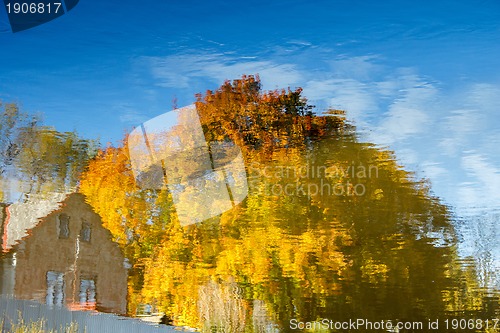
(419, 77)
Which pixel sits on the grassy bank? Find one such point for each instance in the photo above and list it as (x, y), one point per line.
(36, 327)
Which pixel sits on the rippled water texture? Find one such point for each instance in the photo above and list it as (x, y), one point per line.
(332, 230)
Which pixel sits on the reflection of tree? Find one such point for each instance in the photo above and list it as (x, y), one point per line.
(386, 254)
(220, 307)
(262, 122)
(50, 160)
(11, 120)
(40, 158)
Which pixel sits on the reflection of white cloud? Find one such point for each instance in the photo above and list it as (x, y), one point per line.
(407, 99)
(353, 96)
(182, 71)
(458, 127)
(408, 156)
(450, 146)
(359, 68)
(434, 170)
(462, 121)
(485, 97)
(402, 122)
(409, 113)
(487, 180)
(129, 115)
(388, 88)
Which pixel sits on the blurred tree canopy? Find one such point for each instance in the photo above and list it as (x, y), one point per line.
(331, 228)
(38, 159)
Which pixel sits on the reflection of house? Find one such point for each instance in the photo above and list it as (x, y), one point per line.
(26, 215)
(69, 259)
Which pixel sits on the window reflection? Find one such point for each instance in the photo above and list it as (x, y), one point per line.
(87, 293)
(63, 226)
(85, 232)
(55, 288)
